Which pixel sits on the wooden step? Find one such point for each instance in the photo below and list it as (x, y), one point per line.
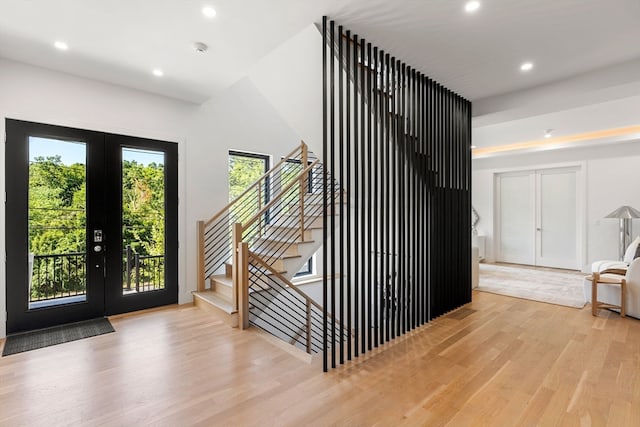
(289, 247)
(293, 221)
(280, 271)
(228, 269)
(211, 302)
(284, 232)
(222, 285)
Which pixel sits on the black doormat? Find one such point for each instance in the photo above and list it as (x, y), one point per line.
(56, 335)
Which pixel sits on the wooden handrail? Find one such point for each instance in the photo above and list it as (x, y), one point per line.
(258, 181)
(282, 191)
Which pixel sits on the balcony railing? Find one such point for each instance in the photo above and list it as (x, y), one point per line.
(142, 273)
(56, 276)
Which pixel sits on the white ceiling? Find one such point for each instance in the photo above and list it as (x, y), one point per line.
(121, 41)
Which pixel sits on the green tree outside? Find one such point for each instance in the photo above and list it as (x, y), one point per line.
(57, 220)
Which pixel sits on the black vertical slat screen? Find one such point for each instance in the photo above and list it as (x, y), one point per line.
(397, 248)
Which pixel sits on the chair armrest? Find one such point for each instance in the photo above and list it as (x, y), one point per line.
(619, 271)
(609, 280)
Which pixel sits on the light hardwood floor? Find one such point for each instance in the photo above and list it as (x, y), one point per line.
(498, 361)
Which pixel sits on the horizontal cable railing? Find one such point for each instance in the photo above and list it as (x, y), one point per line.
(272, 216)
(289, 216)
(215, 234)
(280, 308)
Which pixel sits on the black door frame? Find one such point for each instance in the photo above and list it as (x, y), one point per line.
(115, 301)
(104, 187)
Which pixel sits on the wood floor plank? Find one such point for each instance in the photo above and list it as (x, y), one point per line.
(499, 361)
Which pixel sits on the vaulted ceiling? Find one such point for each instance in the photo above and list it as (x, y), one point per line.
(478, 55)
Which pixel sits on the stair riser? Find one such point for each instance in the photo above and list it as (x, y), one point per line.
(288, 234)
(229, 319)
(308, 222)
(291, 250)
(222, 289)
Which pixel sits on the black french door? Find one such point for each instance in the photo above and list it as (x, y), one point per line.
(91, 221)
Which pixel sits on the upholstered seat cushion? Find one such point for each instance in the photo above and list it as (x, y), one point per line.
(600, 266)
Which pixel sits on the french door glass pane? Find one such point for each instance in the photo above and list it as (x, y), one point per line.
(57, 222)
(143, 220)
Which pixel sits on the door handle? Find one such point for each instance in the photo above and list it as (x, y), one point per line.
(97, 248)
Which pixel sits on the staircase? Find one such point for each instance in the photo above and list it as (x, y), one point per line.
(275, 226)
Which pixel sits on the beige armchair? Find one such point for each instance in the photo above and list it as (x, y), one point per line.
(610, 287)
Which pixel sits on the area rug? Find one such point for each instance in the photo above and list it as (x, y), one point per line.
(56, 335)
(554, 287)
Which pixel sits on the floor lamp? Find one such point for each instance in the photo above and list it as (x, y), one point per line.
(624, 214)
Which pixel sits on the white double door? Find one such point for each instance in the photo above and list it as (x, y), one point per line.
(538, 220)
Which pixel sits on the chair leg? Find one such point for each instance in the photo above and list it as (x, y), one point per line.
(594, 294)
(623, 297)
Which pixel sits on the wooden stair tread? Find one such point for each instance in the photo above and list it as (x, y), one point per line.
(268, 272)
(268, 253)
(313, 227)
(277, 241)
(222, 279)
(214, 299)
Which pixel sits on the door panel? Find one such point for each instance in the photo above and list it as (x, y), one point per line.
(142, 250)
(556, 231)
(51, 277)
(538, 218)
(517, 219)
(75, 200)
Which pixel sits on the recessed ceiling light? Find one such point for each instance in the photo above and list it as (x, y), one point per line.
(472, 6)
(547, 133)
(527, 66)
(158, 72)
(473, 147)
(208, 11)
(61, 45)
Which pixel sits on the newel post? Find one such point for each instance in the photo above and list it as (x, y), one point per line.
(237, 239)
(243, 283)
(201, 273)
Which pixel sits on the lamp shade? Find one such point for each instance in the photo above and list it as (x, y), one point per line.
(624, 212)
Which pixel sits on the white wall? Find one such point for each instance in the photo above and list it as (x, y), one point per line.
(291, 78)
(40, 95)
(611, 178)
(240, 118)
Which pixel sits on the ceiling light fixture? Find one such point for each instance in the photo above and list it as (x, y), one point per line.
(473, 147)
(158, 72)
(527, 66)
(61, 45)
(472, 6)
(547, 133)
(200, 47)
(208, 11)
